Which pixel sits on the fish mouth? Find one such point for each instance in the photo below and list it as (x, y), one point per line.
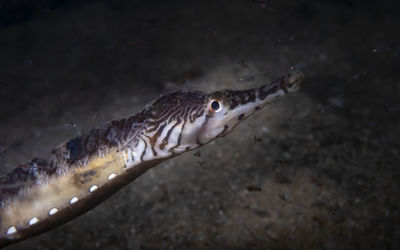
(292, 84)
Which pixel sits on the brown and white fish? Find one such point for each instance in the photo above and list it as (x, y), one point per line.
(81, 173)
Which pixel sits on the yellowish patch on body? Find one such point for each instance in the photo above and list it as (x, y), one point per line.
(38, 201)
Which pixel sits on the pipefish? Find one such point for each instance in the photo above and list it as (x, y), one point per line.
(84, 171)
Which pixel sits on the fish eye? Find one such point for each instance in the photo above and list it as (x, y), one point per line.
(215, 106)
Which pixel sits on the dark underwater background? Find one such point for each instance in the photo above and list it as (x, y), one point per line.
(317, 170)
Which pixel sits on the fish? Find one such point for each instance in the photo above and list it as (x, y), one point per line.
(80, 173)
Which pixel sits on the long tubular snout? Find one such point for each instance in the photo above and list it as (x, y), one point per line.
(278, 88)
(250, 100)
(244, 103)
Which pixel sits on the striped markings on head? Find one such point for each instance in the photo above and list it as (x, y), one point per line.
(12, 230)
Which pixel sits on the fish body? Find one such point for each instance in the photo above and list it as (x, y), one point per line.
(84, 171)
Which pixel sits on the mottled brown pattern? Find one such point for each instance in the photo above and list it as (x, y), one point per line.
(241, 97)
(173, 107)
(234, 98)
(73, 162)
(86, 176)
(24, 175)
(264, 91)
(114, 134)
